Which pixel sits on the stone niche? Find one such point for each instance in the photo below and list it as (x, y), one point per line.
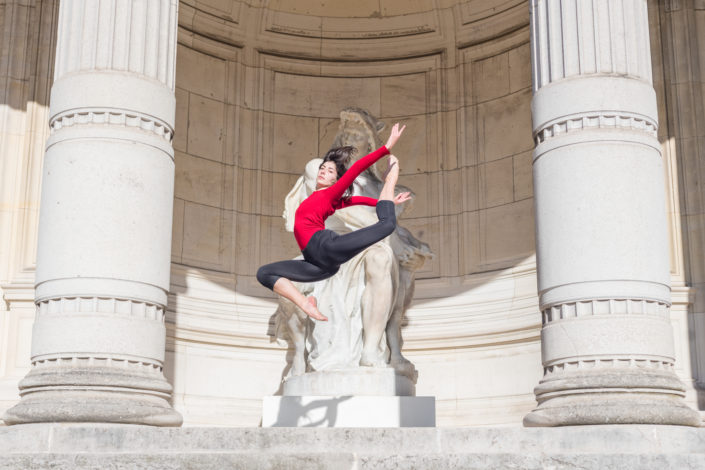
(259, 91)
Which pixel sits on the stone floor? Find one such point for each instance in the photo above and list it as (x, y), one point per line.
(101, 446)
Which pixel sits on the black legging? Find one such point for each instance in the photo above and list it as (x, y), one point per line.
(326, 250)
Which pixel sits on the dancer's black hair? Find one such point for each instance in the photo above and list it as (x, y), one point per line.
(340, 156)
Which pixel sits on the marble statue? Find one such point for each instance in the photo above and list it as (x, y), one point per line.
(365, 301)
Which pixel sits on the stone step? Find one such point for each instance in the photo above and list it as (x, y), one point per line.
(102, 446)
(349, 460)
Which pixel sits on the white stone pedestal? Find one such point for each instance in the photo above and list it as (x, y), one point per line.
(359, 397)
(349, 411)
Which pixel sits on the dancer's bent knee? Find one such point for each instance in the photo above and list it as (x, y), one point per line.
(266, 277)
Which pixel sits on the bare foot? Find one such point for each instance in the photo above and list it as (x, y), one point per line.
(371, 360)
(310, 308)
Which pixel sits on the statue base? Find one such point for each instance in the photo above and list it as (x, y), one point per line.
(361, 381)
(349, 411)
(355, 397)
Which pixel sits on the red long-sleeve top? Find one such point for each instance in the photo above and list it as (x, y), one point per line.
(312, 213)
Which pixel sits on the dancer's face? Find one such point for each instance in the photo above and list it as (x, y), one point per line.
(327, 175)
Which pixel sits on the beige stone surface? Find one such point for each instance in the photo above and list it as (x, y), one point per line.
(471, 188)
(519, 68)
(225, 9)
(416, 154)
(274, 192)
(454, 201)
(523, 181)
(490, 78)
(324, 96)
(404, 95)
(177, 230)
(247, 235)
(403, 7)
(274, 248)
(247, 186)
(206, 128)
(202, 232)
(504, 126)
(291, 151)
(470, 243)
(497, 182)
(200, 73)
(198, 180)
(182, 113)
(508, 231)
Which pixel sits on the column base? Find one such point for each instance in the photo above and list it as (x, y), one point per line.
(612, 408)
(612, 397)
(93, 407)
(105, 394)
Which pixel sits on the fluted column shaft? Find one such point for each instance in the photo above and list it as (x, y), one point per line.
(103, 256)
(602, 246)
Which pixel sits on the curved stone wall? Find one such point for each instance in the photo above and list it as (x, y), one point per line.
(259, 89)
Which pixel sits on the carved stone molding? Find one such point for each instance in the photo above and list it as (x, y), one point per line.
(606, 363)
(603, 120)
(97, 361)
(116, 117)
(340, 28)
(604, 307)
(119, 307)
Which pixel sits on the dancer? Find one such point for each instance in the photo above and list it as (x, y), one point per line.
(324, 250)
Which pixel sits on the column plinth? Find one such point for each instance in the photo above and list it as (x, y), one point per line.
(602, 243)
(103, 257)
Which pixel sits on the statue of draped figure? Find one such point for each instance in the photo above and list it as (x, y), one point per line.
(366, 299)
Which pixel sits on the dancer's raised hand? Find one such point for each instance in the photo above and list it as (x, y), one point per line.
(394, 136)
(402, 197)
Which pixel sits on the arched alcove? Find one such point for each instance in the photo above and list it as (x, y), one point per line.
(259, 89)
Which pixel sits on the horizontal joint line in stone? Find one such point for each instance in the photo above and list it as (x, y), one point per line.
(92, 305)
(81, 360)
(562, 366)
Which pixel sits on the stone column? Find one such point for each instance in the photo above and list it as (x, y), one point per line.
(601, 240)
(103, 255)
